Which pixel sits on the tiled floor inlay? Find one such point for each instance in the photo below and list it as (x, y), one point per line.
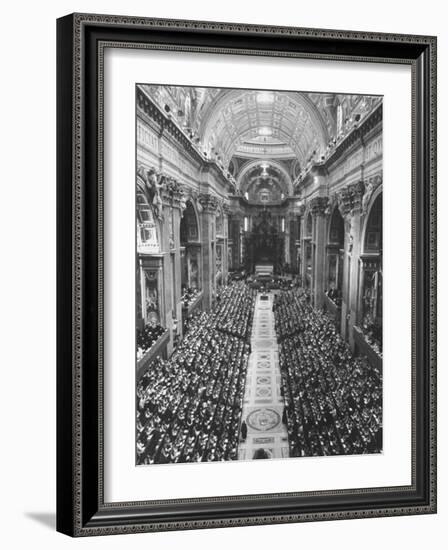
(263, 403)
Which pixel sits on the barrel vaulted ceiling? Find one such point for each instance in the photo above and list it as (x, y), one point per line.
(264, 121)
(260, 125)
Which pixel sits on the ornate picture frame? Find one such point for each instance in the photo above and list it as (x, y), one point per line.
(81, 43)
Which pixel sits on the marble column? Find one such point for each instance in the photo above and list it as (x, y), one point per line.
(208, 205)
(225, 249)
(236, 246)
(303, 247)
(284, 232)
(176, 255)
(350, 205)
(293, 233)
(173, 203)
(168, 297)
(318, 209)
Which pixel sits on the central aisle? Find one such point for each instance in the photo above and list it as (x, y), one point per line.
(263, 403)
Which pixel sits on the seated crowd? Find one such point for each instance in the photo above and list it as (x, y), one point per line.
(333, 401)
(147, 337)
(189, 407)
(189, 295)
(234, 309)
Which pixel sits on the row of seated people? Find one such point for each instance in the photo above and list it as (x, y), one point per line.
(189, 295)
(147, 337)
(234, 309)
(189, 407)
(333, 401)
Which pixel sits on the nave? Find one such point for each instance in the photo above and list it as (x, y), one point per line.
(264, 375)
(264, 406)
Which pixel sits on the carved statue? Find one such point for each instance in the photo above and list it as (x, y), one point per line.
(369, 188)
(154, 182)
(183, 203)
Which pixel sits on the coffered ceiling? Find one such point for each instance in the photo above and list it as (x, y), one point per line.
(236, 126)
(262, 124)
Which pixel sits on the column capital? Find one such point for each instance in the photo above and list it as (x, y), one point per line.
(318, 206)
(357, 192)
(209, 203)
(350, 199)
(173, 193)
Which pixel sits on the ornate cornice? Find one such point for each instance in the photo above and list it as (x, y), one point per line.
(371, 262)
(165, 124)
(168, 127)
(356, 135)
(173, 193)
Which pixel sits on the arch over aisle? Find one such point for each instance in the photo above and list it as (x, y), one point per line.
(372, 235)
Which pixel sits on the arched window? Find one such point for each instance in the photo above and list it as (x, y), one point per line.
(189, 225)
(373, 237)
(191, 257)
(336, 236)
(372, 275)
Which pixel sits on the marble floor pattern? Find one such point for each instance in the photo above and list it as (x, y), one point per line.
(263, 403)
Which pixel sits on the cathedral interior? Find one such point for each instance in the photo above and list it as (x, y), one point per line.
(258, 274)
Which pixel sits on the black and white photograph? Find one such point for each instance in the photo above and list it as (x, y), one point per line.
(258, 274)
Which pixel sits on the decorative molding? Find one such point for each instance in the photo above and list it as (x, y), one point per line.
(357, 192)
(173, 193)
(370, 262)
(350, 199)
(357, 134)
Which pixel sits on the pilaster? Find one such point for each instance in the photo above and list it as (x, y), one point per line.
(208, 206)
(318, 210)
